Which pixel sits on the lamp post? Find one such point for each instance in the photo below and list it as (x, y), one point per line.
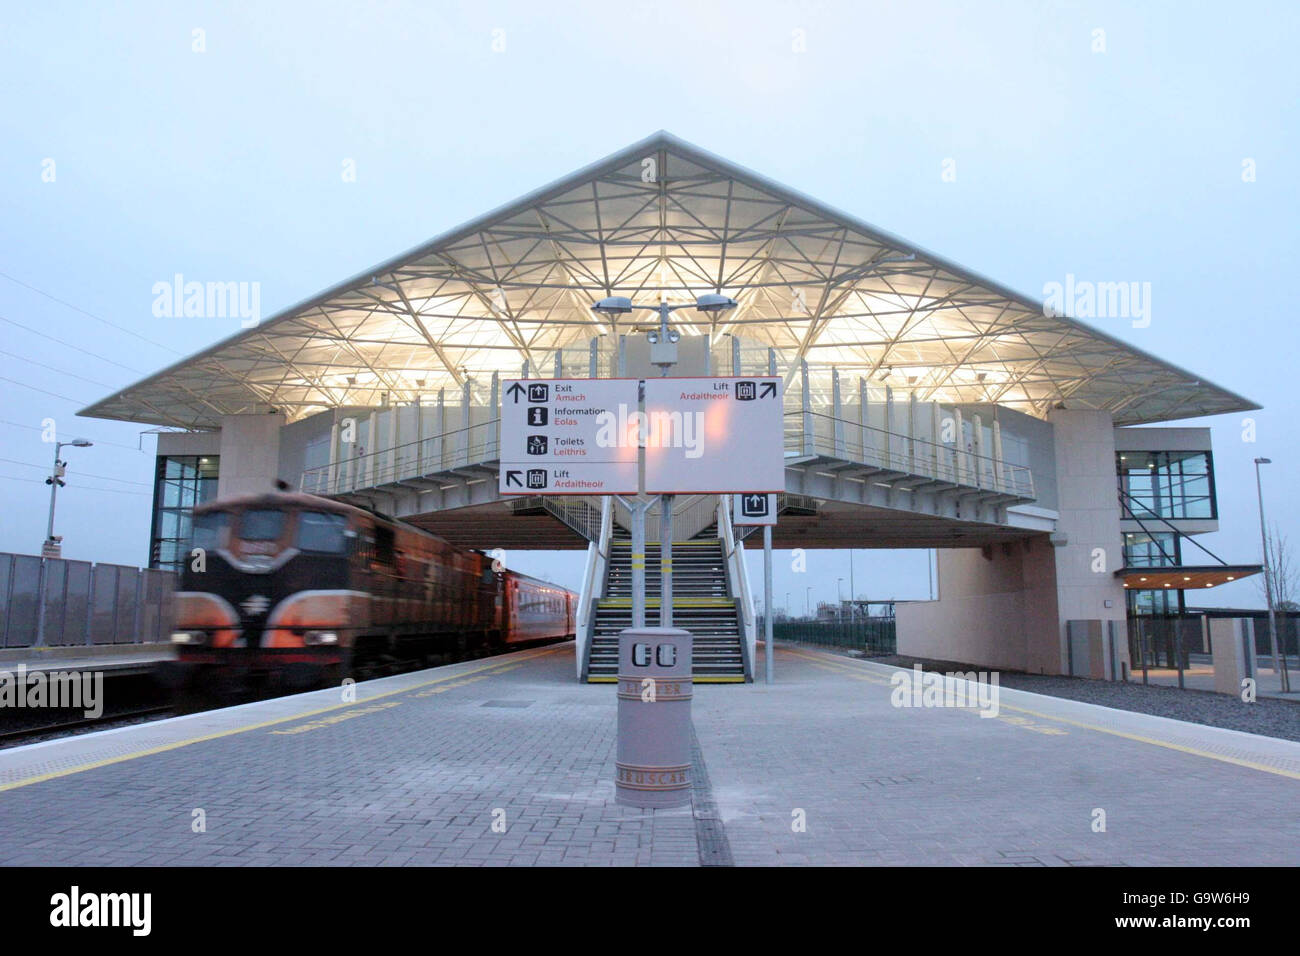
(807, 601)
(663, 353)
(1281, 671)
(50, 547)
(56, 479)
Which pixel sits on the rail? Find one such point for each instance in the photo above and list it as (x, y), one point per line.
(809, 433)
(734, 551)
(446, 451)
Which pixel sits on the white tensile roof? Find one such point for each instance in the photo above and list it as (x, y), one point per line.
(663, 217)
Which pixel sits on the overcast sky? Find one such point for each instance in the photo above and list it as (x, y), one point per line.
(127, 156)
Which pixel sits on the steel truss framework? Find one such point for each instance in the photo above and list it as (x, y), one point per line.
(663, 217)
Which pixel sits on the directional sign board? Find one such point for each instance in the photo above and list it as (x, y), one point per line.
(753, 509)
(714, 435)
(568, 437)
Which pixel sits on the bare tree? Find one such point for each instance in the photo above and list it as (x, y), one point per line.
(1282, 570)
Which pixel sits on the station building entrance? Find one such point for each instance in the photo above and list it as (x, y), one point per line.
(922, 406)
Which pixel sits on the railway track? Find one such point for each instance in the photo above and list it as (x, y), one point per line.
(63, 728)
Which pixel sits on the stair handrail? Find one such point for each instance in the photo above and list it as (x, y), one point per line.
(593, 585)
(734, 552)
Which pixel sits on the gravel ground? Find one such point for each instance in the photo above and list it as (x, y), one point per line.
(1267, 716)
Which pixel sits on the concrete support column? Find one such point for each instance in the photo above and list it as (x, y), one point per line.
(864, 418)
(372, 452)
(332, 482)
(999, 473)
(889, 427)
(250, 454)
(838, 413)
(809, 446)
(911, 432)
(958, 447)
(465, 398)
(440, 429)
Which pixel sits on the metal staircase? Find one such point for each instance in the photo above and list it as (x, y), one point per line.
(701, 604)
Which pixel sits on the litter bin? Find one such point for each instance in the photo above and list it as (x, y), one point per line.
(653, 763)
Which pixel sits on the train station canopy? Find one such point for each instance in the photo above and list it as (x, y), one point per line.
(663, 217)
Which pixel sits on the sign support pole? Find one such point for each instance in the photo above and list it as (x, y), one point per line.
(769, 651)
(639, 508)
(666, 562)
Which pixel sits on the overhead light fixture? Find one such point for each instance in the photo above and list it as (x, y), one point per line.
(712, 302)
(613, 306)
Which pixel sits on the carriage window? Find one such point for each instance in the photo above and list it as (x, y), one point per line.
(261, 524)
(210, 529)
(385, 542)
(321, 532)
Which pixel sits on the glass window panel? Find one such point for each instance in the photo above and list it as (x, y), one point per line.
(209, 529)
(321, 532)
(261, 524)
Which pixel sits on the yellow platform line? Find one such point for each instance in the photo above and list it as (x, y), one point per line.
(852, 670)
(176, 745)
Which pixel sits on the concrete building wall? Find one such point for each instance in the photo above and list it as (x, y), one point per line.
(189, 443)
(294, 440)
(250, 454)
(996, 607)
(1008, 606)
(1086, 586)
(1162, 439)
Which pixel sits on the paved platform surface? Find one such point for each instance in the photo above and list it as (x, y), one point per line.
(109, 658)
(817, 769)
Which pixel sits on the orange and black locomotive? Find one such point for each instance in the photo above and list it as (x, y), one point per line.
(300, 591)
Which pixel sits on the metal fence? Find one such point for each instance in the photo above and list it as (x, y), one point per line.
(875, 635)
(84, 603)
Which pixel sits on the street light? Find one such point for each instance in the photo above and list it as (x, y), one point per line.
(663, 340)
(55, 481)
(663, 353)
(1285, 678)
(51, 545)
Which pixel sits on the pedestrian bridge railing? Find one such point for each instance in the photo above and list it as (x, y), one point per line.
(807, 435)
(815, 434)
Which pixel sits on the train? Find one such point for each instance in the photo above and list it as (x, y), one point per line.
(292, 591)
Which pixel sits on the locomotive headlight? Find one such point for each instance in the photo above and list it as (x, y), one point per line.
(320, 637)
(189, 637)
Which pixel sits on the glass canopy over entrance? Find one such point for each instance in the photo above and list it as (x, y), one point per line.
(664, 218)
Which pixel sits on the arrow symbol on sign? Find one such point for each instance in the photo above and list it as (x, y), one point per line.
(768, 390)
(516, 390)
(512, 477)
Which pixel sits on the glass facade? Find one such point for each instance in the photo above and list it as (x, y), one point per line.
(1167, 484)
(1155, 550)
(180, 483)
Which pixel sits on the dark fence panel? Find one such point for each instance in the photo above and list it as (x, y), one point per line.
(875, 635)
(84, 603)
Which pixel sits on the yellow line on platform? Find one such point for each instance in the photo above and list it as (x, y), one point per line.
(839, 666)
(176, 745)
